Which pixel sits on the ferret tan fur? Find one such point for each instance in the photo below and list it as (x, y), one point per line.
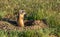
(21, 18)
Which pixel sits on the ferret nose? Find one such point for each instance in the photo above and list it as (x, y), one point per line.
(25, 14)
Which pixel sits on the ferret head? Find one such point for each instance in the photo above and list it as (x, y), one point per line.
(22, 12)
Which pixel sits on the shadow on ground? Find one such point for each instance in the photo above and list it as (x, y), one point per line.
(26, 22)
(13, 22)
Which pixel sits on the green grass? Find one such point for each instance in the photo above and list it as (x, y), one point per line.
(36, 10)
(29, 33)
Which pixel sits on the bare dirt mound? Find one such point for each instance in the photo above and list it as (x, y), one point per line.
(37, 24)
(5, 25)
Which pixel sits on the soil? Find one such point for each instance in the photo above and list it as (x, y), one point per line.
(37, 24)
